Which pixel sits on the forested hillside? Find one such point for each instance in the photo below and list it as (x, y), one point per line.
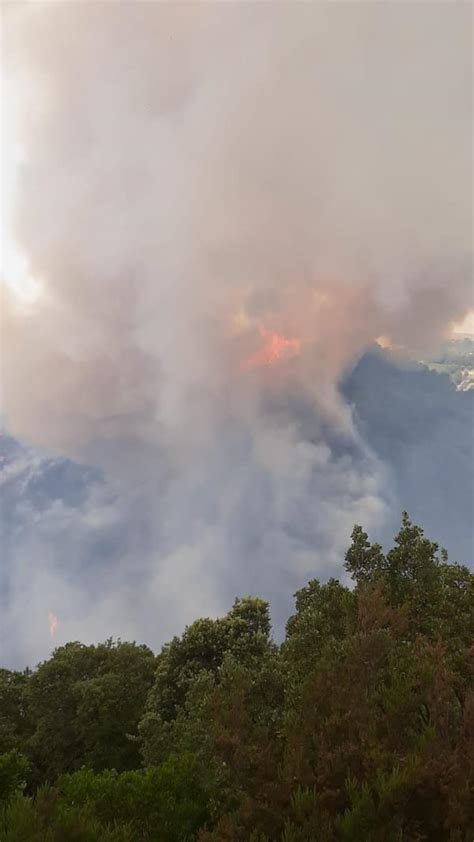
(359, 726)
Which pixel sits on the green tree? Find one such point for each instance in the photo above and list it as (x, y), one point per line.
(86, 701)
(189, 666)
(438, 596)
(364, 561)
(325, 616)
(168, 803)
(44, 819)
(376, 737)
(15, 720)
(358, 728)
(13, 769)
(245, 712)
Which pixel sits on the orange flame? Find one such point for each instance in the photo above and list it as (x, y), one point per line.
(275, 348)
(53, 623)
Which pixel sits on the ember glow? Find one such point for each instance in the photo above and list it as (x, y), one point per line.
(275, 349)
(53, 623)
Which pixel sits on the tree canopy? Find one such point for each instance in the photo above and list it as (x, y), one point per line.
(358, 726)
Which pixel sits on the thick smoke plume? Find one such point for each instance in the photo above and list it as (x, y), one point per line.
(191, 173)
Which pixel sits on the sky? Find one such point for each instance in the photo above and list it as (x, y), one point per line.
(210, 212)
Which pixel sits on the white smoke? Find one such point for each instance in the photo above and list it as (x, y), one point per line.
(191, 171)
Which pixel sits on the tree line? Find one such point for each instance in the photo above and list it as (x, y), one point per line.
(358, 727)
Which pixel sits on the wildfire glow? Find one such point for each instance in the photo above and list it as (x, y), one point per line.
(275, 348)
(386, 343)
(53, 623)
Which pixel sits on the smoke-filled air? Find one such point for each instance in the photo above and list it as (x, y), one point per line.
(221, 207)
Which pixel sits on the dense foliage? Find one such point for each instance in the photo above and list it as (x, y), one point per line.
(360, 726)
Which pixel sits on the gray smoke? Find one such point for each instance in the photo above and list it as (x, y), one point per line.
(192, 172)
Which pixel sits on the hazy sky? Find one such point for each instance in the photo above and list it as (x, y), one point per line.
(212, 209)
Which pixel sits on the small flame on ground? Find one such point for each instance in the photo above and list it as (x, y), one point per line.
(53, 623)
(386, 343)
(276, 347)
